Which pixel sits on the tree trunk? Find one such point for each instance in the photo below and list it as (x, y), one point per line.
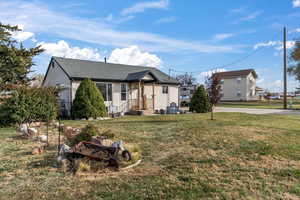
(212, 113)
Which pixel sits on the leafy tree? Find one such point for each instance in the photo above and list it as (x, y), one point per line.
(186, 79)
(15, 60)
(200, 101)
(214, 88)
(88, 101)
(29, 104)
(295, 56)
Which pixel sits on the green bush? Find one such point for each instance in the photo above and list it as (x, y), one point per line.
(88, 101)
(86, 134)
(200, 101)
(29, 104)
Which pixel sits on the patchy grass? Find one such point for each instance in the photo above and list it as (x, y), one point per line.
(273, 104)
(237, 156)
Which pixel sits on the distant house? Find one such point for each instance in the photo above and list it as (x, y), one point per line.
(124, 87)
(186, 92)
(238, 85)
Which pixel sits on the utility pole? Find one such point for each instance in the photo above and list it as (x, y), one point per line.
(169, 73)
(284, 70)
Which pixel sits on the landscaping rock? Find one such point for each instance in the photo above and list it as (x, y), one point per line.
(24, 129)
(64, 149)
(32, 131)
(43, 138)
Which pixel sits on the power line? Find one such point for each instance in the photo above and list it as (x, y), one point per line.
(231, 63)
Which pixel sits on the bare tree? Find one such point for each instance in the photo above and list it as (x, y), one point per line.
(214, 88)
(186, 79)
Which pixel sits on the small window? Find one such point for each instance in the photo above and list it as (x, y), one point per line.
(222, 81)
(238, 94)
(165, 89)
(238, 80)
(222, 94)
(123, 92)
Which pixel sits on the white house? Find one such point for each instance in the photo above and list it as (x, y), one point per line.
(124, 87)
(238, 85)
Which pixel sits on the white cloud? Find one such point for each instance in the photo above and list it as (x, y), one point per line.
(142, 6)
(248, 17)
(223, 36)
(165, 20)
(211, 72)
(21, 36)
(278, 45)
(62, 49)
(297, 30)
(296, 3)
(134, 56)
(97, 32)
(117, 20)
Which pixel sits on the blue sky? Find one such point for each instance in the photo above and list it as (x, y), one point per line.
(198, 36)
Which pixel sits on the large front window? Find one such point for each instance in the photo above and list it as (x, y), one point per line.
(106, 90)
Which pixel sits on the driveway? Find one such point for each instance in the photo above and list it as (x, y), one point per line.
(258, 111)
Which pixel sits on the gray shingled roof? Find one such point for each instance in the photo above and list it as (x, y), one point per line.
(78, 69)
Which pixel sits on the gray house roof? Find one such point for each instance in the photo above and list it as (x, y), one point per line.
(80, 69)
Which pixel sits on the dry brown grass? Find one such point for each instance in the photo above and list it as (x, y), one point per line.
(238, 156)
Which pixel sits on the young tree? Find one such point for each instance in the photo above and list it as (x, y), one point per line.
(200, 101)
(88, 101)
(214, 89)
(15, 60)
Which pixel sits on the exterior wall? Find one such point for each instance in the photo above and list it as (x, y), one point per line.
(161, 101)
(247, 85)
(56, 76)
(116, 94)
(251, 86)
(164, 100)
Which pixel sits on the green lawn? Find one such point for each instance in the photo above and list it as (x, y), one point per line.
(238, 156)
(273, 104)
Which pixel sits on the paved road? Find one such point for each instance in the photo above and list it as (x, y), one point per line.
(258, 111)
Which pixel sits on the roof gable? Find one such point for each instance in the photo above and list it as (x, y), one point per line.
(236, 73)
(79, 69)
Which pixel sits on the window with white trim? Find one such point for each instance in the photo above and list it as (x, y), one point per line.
(238, 80)
(123, 91)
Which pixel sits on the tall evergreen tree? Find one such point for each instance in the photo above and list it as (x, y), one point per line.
(200, 101)
(88, 101)
(15, 60)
